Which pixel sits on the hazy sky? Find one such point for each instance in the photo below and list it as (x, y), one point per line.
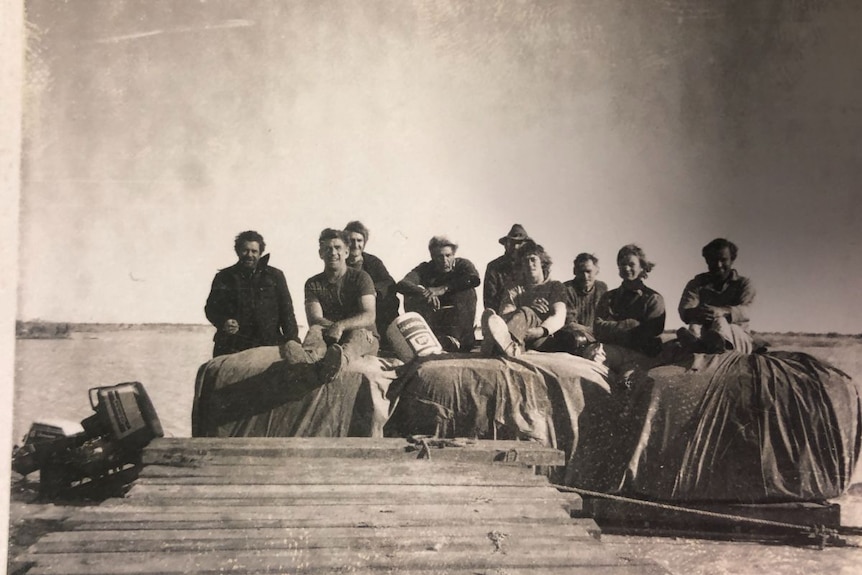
(155, 130)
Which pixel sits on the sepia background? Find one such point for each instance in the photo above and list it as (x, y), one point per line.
(155, 130)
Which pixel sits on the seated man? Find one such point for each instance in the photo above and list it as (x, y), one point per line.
(582, 298)
(500, 273)
(531, 312)
(715, 304)
(387, 300)
(631, 316)
(443, 291)
(340, 308)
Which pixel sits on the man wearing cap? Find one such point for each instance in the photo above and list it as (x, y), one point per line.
(500, 273)
(249, 303)
(443, 291)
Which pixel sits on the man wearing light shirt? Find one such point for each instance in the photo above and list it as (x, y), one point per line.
(715, 304)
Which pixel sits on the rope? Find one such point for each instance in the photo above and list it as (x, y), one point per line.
(822, 533)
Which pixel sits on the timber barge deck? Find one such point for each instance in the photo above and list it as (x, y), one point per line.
(314, 505)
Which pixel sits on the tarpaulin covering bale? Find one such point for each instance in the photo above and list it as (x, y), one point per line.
(536, 396)
(254, 393)
(767, 427)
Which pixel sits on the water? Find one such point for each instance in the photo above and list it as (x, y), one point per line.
(52, 376)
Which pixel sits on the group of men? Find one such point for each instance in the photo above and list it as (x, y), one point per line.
(250, 304)
(352, 301)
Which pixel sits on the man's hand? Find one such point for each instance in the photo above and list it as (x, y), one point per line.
(698, 315)
(231, 326)
(432, 296)
(710, 313)
(540, 306)
(438, 291)
(333, 333)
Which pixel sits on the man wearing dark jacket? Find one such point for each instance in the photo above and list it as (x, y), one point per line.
(249, 303)
(443, 291)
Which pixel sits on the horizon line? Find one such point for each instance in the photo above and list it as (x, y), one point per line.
(188, 324)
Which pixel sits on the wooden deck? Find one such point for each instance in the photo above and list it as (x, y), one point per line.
(317, 505)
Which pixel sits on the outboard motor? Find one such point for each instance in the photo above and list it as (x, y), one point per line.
(105, 449)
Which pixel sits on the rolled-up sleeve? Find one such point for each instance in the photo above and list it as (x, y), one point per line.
(739, 313)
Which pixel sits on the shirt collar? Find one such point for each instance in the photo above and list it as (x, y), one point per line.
(732, 277)
(636, 286)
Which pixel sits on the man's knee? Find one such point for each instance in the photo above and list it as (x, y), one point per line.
(313, 342)
(360, 341)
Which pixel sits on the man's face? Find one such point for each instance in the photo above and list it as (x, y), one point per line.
(443, 258)
(357, 244)
(585, 274)
(248, 254)
(630, 267)
(512, 246)
(333, 253)
(719, 264)
(532, 269)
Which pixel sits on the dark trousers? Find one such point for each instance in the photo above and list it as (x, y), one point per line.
(455, 318)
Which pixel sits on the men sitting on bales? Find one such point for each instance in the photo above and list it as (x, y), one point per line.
(387, 299)
(632, 316)
(715, 304)
(500, 273)
(340, 308)
(531, 312)
(443, 291)
(582, 298)
(249, 303)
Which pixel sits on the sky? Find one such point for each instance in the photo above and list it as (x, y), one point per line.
(156, 130)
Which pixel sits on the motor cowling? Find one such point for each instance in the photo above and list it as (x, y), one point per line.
(109, 442)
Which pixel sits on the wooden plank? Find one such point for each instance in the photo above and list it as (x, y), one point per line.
(269, 450)
(517, 458)
(323, 494)
(103, 541)
(318, 465)
(325, 515)
(309, 560)
(627, 567)
(422, 474)
(361, 539)
(254, 501)
(383, 520)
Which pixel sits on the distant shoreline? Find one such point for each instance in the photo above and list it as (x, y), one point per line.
(61, 330)
(38, 329)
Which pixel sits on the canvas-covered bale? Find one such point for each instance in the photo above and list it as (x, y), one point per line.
(535, 397)
(779, 426)
(254, 393)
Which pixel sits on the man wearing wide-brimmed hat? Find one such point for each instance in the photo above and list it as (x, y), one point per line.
(499, 274)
